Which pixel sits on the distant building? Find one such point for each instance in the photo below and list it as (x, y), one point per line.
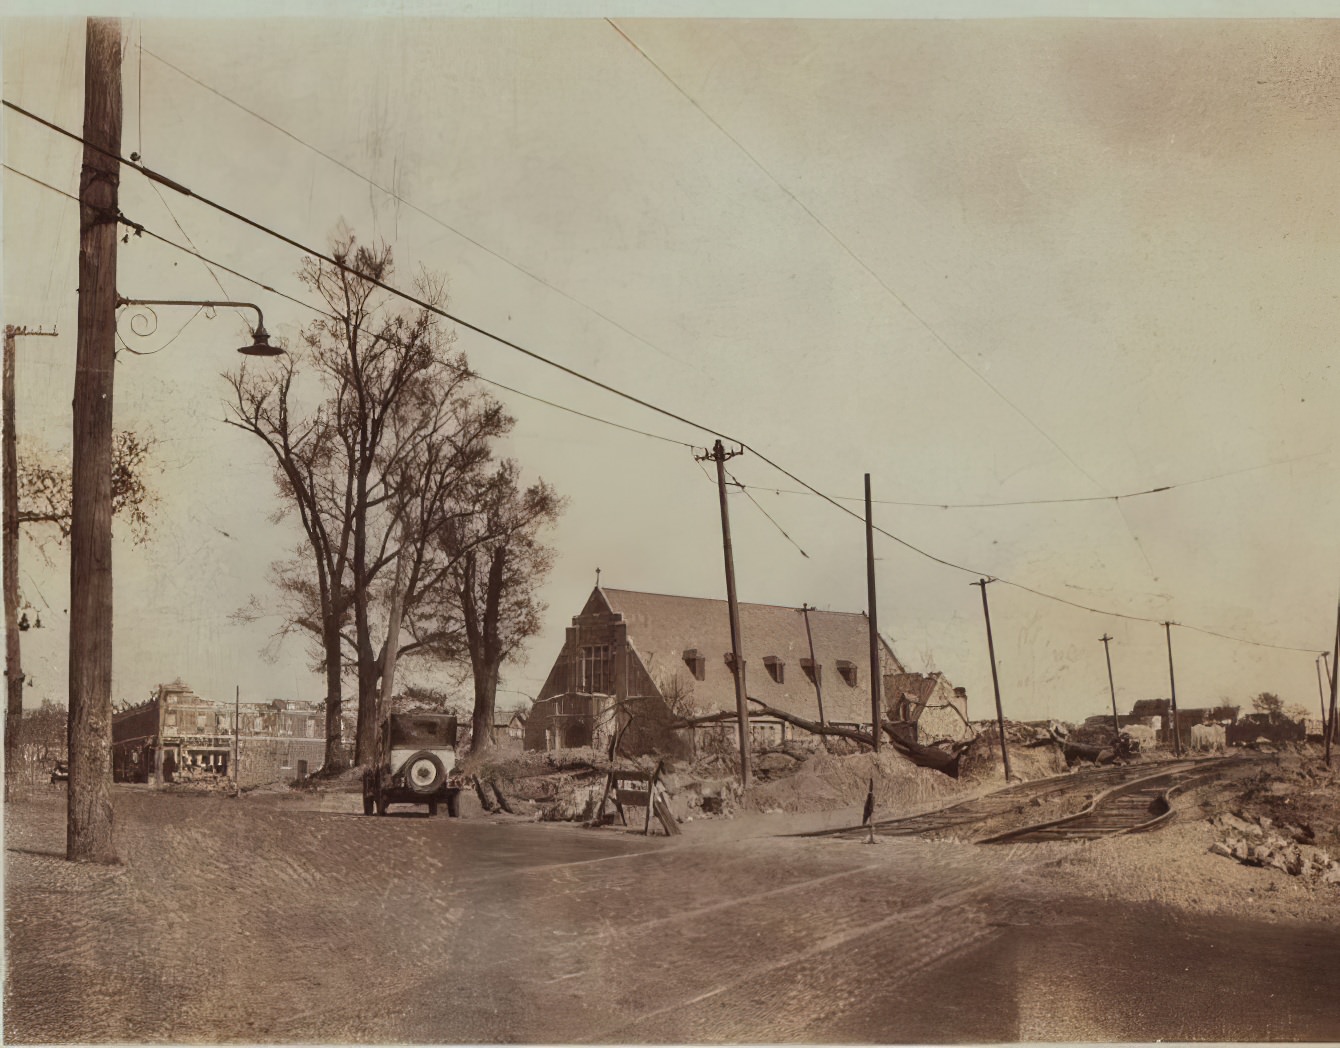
(665, 656)
(191, 738)
(509, 733)
(928, 706)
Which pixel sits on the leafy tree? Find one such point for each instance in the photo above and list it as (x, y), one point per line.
(42, 738)
(46, 494)
(1268, 703)
(46, 502)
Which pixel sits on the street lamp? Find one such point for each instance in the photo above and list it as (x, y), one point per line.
(260, 338)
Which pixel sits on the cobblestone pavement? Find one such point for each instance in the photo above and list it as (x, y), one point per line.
(249, 921)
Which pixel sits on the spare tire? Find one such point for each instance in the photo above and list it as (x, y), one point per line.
(424, 772)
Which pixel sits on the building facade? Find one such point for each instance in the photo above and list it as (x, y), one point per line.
(179, 736)
(657, 658)
(927, 707)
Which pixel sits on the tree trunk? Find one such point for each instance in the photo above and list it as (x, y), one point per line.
(13, 661)
(486, 695)
(335, 760)
(366, 744)
(89, 810)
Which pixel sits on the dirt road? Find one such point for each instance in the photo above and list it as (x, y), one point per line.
(250, 921)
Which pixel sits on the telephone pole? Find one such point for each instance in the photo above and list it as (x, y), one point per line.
(995, 676)
(1335, 677)
(1321, 697)
(88, 835)
(14, 677)
(1116, 722)
(719, 455)
(1172, 685)
(875, 728)
(818, 688)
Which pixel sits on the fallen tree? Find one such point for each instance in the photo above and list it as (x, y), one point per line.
(944, 759)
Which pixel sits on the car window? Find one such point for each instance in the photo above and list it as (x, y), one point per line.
(425, 732)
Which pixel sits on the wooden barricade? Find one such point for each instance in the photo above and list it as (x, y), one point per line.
(635, 788)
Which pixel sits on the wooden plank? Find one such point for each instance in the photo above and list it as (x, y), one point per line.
(667, 818)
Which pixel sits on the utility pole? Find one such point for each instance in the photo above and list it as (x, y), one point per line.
(88, 835)
(995, 676)
(1172, 685)
(1334, 678)
(237, 732)
(1116, 722)
(1330, 679)
(719, 455)
(876, 729)
(818, 689)
(1321, 697)
(14, 676)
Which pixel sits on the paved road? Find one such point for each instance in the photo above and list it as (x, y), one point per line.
(241, 921)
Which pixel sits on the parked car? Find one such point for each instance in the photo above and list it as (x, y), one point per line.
(415, 764)
(60, 772)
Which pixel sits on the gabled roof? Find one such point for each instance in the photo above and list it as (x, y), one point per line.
(662, 627)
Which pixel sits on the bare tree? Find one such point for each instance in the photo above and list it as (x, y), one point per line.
(373, 470)
(497, 563)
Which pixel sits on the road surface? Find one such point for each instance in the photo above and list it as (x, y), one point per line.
(251, 921)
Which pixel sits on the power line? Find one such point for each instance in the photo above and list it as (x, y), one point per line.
(391, 289)
(902, 302)
(210, 262)
(1057, 501)
(409, 204)
(375, 282)
(889, 290)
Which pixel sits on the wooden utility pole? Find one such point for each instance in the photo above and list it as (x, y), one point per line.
(14, 676)
(237, 736)
(1335, 677)
(1116, 721)
(995, 676)
(719, 455)
(1172, 685)
(1321, 697)
(1330, 679)
(88, 834)
(818, 688)
(875, 728)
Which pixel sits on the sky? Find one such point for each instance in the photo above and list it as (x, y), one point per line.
(985, 261)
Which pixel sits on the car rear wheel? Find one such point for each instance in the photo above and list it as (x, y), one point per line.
(424, 772)
(454, 804)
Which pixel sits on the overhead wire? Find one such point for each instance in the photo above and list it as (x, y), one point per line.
(210, 262)
(393, 194)
(531, 354)
(1055, 501)
(869, 270)
(745, 491)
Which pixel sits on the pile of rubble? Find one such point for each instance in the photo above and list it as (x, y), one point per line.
(1286, 847)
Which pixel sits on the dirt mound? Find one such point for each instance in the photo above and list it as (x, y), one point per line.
(825, 781)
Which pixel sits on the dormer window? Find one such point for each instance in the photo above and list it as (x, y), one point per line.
(696, 662)
(813, 672)
(776, 668)
(848, 672)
